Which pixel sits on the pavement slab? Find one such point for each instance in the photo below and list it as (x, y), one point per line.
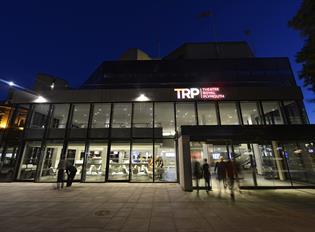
(144, 207)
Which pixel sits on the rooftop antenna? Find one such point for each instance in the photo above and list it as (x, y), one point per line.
(159, 46)
(248, 34)
(213, 34)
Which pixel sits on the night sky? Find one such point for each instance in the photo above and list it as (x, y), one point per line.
(69, 38)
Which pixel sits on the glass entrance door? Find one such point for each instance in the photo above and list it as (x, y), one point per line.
(119, 161)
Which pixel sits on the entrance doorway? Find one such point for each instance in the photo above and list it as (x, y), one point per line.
(256, 164)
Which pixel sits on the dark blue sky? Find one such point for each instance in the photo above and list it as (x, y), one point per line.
(71, 38)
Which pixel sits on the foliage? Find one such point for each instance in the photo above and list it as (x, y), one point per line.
(304, 21)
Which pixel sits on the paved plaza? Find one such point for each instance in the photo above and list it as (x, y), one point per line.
(151, 207)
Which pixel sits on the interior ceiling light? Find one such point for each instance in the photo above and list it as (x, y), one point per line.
(142, 97)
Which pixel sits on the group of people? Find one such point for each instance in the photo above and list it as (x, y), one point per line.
(69, 169)
(225, 171)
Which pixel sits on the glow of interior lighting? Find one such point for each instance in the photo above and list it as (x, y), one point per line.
(142, 97)
(40, 99)
(297, 151)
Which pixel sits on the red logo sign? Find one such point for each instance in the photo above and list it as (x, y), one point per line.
(201, 93)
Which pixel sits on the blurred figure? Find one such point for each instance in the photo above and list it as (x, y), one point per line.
(159, 164)
(206, 174)
(71, 171)
(60, 174)
(220, 170)
(197, 172)
(232, 175)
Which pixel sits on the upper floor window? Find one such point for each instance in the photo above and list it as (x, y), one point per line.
(59, 116)
(293, 112)
(272, 112)
(121, 115)
(101, 115)
(250, 113)
(80, 117)
(143, 115)
(228, 113)
(207, 113)
(39, 116)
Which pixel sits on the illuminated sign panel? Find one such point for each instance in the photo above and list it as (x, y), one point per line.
(199, 93)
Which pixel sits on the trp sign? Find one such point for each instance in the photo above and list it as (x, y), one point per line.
(199, 93)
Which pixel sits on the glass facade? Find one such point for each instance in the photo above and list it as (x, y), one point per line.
(52, 154)
(272, 113)
(185, 114)
(207, 114)
(80, 117)
(39, 116)
(228, 113)
(250, 113)
(122, 115)
(101, 115)
(164, 120)
(146, 150)
(30, 160)
(60, 116)
(96, 161)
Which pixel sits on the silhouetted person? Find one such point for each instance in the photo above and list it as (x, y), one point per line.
(197, 172)
(220, 170)
(60, 174)
(71, 171)
(232, 175)
(206, 174)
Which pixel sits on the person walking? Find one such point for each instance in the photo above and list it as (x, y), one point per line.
(60, 174)
(197, 172)
(206, 174)
(71, 171)
(232, 175)
(220, 170)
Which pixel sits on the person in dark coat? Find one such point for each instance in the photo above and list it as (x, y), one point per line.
(232, 175)
(220, 170)
(197, 172)
(71, 171)
(206, 174)
(60, 174)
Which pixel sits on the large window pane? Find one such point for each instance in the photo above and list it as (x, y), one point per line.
(272, 113)
(96, 162)
(75, 156)
(270, 165)
(30, 160)
(121, 115)
(185, 114)
(60, 116)
(80, 116)
(207, 113)
(301, 162)
(293, 112)
(7, 162)
(5, 113)
(164, 118)
(244, 163)
(52, 155)
(39, 116)
(250, 113)
(142, 161)
(143, 115)
(101, 115)
(20, 117)
(228, 113)
(119, 157)
(165, 161)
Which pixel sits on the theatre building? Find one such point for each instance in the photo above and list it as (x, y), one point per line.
(139, 119)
